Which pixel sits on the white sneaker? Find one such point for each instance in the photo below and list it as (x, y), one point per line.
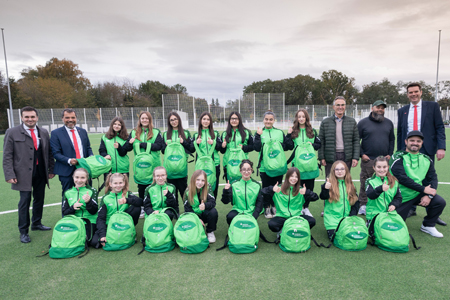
(362, 210)
(211, 237)
(274, 211)
(431, 231)
(268, 213)
(306, 211)
(142, 215)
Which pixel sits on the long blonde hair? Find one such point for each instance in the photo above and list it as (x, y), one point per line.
(192, 188)
(110, 177)
(334, 190)
(138, 128)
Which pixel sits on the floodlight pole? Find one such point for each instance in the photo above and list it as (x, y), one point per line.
(437, 72)
(7, 80)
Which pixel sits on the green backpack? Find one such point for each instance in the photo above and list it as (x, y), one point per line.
(235, 157)
(351, 234)
(158, 233)
(96, 165)
(296, 235)
(389, 232)
(121, 233)
(207, 164)
(175, 160)
(69, 237)
(143, 165)
(305, 160)
(190, 234)
(274, 159)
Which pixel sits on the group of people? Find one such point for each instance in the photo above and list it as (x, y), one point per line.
(389, 181)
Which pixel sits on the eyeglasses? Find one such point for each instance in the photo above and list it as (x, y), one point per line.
(234, 119)
(339, 170)
(246, 170)
(173, 120)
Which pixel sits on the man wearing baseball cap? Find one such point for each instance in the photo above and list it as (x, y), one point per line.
(418, 182)
(377, 139)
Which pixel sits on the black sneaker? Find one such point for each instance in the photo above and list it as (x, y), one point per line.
(411, 213)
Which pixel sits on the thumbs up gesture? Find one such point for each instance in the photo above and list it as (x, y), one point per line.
(202, 205)
(290, 130)
(166, 191)
(199, 140)
(227, 185)
(303, 190)
(224, 144)
(77, 205)
(328, 184)
(86, 197)
(385, 187)
(210, 141)
(276, 188)
(181, 140)
(259, 131)
(122, 200)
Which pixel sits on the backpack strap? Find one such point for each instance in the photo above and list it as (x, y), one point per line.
(372, 231)
(312, 239)
(337, 228)
(49, 246)
(143, 245)
(86, 249)
(414, 242)
(261, 235)
(292, 155)
(225, 244)
(172, 209)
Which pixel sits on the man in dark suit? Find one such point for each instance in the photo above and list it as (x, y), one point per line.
(68, 144)
(28, 165)
(425, 117)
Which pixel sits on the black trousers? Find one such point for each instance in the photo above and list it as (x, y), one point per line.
(268, 181)
(210, 217)
(38, 192)
(309, 184)
(434, 209)
(141, 190)
(180, 187)
(217, 181)
(276, 223)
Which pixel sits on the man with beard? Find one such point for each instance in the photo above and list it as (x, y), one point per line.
(377, 139)
(418, 182)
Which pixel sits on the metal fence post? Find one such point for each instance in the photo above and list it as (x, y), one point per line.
(254, 111)
(132, 117)
(53, 120)
(162, 98)
(284, 111)
(84, 112)
(193, 110)
(9, 118)
(101, 120)
(178, 98)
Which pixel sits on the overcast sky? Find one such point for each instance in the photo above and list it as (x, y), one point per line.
(215, 48)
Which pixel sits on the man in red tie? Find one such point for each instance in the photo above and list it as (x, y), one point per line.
(28, 165)
(69, 143)
(424, 116)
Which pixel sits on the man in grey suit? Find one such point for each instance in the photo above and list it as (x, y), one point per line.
(28, 165)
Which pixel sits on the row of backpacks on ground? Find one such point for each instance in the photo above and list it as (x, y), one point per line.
(387, 230)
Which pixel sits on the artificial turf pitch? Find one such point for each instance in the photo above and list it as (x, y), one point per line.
(319, 273)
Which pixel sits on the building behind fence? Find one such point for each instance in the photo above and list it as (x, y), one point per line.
(251, 107)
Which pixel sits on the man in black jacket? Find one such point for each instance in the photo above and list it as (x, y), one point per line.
(377, 139)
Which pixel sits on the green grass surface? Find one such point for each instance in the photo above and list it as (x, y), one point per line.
(268, 273)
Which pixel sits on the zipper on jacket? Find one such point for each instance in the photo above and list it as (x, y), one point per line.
(162, 199)
(245, 197)
(116, 152)
(117, 203)
(78, 197)
(342, 183)
(289, 203)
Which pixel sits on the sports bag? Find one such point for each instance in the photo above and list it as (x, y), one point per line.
(351, 234)
(305, 160)
(121, 233)
(296, 235)
(96, 165)
(175, 161)
(235, 157)
(158, 233)
(389, 232)
(190, 234)
(69, 237)
(143, 165)
(274, 159)
(207, 164)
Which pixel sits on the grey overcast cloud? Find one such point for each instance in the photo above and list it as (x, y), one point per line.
(215, 48)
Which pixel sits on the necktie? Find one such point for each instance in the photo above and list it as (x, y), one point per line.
(75, 144)
(415, 126)
(33, 136)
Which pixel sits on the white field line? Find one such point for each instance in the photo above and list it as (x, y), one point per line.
(55, 204)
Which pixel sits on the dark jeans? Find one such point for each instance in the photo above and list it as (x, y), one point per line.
(268, 181)
(366, 172)
(339, 156)
(209, 217)
(38, 187)
(434, 209)
(276, 223)
(309, 184)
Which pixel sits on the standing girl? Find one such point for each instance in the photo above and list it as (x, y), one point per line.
(382, 190)
(81, 201)
(114, 146)
(160, 194)
(302, 133)
(205, 140)
(146, 136)
(262, 136)
(117, 198)
(197, 199)
(236, 136)
(341, 195)
(176, 134)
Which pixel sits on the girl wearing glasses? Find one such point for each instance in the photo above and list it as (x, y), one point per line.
(340, 197)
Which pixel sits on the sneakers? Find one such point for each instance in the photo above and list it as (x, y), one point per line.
(279, 234)
(411, 213)
(268, 213)
(211, 237)
(142, 215)
(431, 231)
(321, 214)
(362, 210)
(306, 211)
(274, 211)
